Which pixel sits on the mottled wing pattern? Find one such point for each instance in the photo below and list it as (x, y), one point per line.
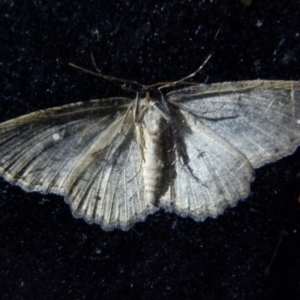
(228, 129)
(84, 151)
(260, 118)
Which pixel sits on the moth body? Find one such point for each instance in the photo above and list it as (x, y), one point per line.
(152, 128)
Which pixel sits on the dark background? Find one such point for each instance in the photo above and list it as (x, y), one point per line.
(252, 251)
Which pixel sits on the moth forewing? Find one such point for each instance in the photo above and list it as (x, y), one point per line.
(258, 117)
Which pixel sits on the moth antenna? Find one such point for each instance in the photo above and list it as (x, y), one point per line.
(113, 79)
(164, 85)
(196, 72)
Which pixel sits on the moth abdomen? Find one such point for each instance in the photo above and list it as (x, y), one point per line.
(152, 171)
(152, 164)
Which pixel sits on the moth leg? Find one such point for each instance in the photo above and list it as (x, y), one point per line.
(120, 132)
(138, 171)
(125, 117)
(181, 153)
(141, 150)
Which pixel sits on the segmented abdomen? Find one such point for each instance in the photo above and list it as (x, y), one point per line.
(152, 155)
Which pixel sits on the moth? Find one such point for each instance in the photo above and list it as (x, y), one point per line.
(191, 151)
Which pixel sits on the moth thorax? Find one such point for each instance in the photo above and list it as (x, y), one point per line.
(153, 122)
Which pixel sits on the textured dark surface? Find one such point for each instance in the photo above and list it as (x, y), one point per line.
(250, 252)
